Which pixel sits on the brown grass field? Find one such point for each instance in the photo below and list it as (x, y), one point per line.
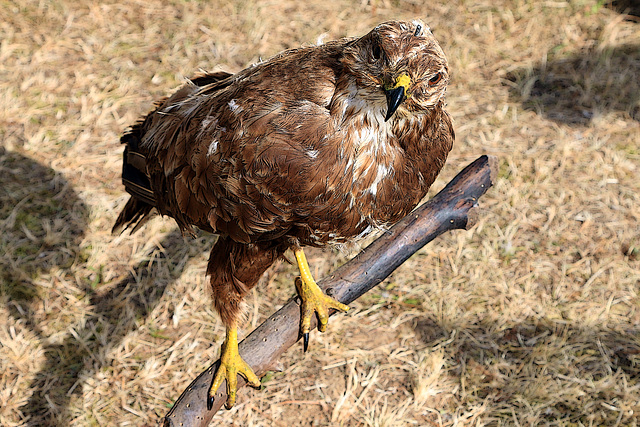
(530, 318)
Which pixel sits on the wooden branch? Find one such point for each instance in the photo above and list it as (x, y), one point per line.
(455, 207)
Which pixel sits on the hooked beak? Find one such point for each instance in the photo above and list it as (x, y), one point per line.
(396, 94)
(394, 99)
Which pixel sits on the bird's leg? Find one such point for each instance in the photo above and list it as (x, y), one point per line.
(231, 364)
(313, 299)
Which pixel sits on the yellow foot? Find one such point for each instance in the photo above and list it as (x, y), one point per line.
(313, 300)
(231, 364)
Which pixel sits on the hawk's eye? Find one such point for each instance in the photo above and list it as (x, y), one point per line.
(435, 79)
(376, 51)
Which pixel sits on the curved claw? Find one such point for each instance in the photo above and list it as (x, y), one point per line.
(305, 340)
(314, 301)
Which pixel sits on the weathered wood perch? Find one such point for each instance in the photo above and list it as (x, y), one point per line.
(455, 207)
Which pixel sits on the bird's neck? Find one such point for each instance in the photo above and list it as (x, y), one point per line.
(350, 100)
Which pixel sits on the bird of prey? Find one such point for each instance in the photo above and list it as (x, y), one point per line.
(316, 146)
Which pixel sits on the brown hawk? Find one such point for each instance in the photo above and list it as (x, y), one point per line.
(316, 146)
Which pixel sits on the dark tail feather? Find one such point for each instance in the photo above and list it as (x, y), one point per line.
(134, 214)
(138, 209)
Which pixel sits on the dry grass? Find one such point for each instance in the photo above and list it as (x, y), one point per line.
(530, 318)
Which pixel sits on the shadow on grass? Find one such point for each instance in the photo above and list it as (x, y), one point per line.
(114, 314)
(576, 89)
(549, 371)
(42, 223)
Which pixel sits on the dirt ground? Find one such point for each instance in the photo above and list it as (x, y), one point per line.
(530, 318)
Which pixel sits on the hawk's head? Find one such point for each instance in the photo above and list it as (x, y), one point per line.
(400, 64)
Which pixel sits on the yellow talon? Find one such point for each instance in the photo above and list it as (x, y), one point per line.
(313, 299)
(231, 364)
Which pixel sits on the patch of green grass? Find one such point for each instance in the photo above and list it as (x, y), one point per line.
(15, 289)
(158, 333)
